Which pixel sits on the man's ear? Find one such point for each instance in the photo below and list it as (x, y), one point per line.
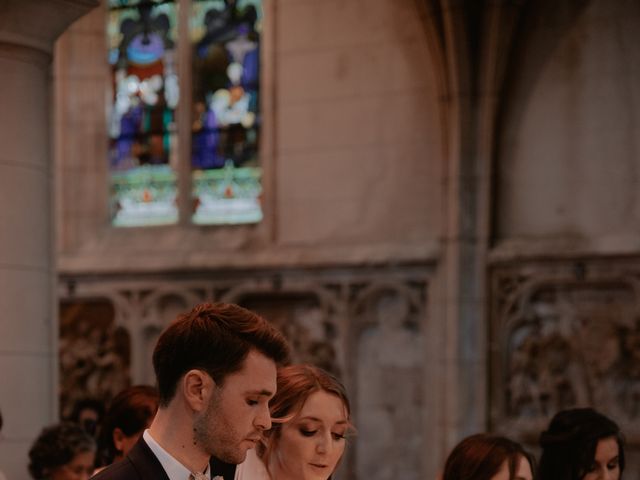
(198, 387)
(118, 436)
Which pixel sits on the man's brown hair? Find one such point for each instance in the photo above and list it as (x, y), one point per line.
(216, 338)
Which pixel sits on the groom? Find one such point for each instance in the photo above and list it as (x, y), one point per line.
(216, 372)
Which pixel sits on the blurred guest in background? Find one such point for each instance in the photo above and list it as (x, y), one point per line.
(488, 457)
(130, 412)
(2, 477)
(88, 413)
(581, 444)
(62, 452)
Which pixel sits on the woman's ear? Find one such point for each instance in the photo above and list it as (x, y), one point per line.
(197, 387)
(118, 438)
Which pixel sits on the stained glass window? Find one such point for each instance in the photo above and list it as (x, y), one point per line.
(142, 122)
(226, 183)
(220, 61)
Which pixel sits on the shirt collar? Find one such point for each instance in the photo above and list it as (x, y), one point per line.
(174, 469)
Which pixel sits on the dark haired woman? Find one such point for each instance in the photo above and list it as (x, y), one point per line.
(581, 444)
(310, 414)
(488, 457)
(2, 477)
(62, 452)
(130, 412)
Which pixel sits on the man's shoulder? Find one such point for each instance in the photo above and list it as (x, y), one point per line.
(140, 463)
(123, 469)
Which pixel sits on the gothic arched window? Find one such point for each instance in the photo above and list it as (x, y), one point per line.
(184, 113)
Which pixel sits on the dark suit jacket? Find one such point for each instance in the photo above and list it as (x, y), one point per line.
(141, 464)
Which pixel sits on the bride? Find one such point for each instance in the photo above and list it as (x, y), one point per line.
(310, 415)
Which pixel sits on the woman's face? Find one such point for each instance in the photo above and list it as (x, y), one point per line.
(311, 444)
(523, 470)
(606, 464)
(79, 468)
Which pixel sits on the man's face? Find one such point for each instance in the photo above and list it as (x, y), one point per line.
(239, 410)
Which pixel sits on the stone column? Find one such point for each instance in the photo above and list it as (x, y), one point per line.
(28, 320)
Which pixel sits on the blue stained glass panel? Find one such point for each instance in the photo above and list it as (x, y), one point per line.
(142, 122)
(226, 171)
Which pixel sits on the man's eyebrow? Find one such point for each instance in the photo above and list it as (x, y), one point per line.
(266, 393)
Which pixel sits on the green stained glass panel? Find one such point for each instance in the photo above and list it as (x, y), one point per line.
(142, 123)
(226, 170)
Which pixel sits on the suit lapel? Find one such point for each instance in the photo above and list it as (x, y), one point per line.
(149, 467)
(145, 462)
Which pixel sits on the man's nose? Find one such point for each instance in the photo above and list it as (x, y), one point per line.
(263, 419)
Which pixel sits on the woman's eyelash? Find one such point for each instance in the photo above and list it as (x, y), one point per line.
(308, 433)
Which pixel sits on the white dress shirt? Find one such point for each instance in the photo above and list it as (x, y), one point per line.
(174, 469)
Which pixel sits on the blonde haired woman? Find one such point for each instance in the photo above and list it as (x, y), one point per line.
(311, 418)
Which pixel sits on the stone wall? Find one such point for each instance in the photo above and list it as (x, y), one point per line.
(566, 334)
(563, 268)
(437, 202)
(348, 176)
(568, 158)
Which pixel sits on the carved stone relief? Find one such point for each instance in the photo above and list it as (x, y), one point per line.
(311, 332)
(94, 353)
(390, 381)
(562, 335)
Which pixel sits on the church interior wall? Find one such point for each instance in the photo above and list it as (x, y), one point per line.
(346, 254)
(570, 131)
(352, 82)
(373, 257)
(564, 246)
(347, 177)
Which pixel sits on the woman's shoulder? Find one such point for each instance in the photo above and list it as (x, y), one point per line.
(252, 468)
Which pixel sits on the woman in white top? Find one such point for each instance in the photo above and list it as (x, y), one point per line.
(311, 418)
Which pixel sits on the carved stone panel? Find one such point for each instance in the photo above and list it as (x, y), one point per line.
(565, 334)
(389, 381)
(311, 333)
(94, 353)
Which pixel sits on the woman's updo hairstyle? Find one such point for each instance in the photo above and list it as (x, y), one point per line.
(569, 444)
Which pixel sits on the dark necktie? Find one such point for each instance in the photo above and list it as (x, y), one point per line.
(227, 471)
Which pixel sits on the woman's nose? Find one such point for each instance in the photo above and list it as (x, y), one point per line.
(324, 444)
